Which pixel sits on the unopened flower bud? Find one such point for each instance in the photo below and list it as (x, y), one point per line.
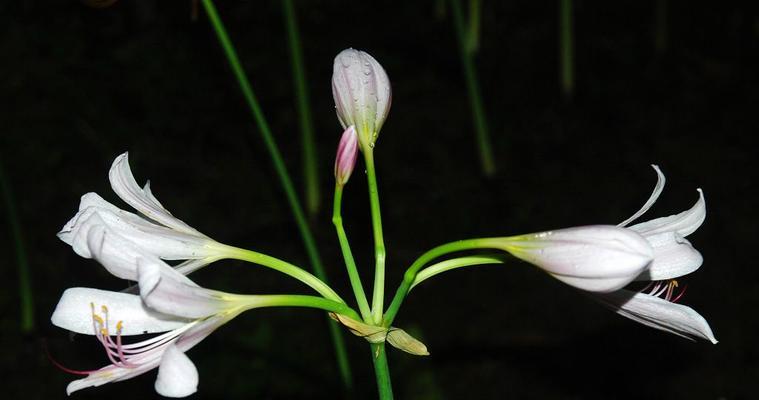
(597, 258)
(347, 151)
(362, 94)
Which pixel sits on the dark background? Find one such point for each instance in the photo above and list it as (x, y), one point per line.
(81, 85)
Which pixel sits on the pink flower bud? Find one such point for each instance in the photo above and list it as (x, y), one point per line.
(362, 94)
(347, 151)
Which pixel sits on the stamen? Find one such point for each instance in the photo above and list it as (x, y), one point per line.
(679, 295)
(659, 289)
(670, 288)
(646, 288)
(113, 349)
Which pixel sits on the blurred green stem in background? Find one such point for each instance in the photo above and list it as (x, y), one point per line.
(475, 98)
(24, 278)
(660, 34)
(284, 178)
(310, 171)
(566, 48)
(475, 10)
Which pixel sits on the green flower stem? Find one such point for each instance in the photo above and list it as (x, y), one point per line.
(284, 178)
(410, 275)
(284, 267)
(350, 263)
(379, 241)
(454, 263)
(310, 171)
(566, 50)
(24, 279)
(381, 371)
(293, 300)
(473, 87)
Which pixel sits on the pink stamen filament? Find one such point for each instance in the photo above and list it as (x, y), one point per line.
(121, 355)
(679, 295)
(659, 289)
(665, 290)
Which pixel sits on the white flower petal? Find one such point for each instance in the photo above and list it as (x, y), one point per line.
(594, 258)
(362, 93)
(111, 373)
(660, 180)
(683, 223)
(117, 255)
(158, 240)
(88, 200)
(659, 314)
(93, 199)
(124, 184)
(673, 257)
(75, 308)
(163, 242)
(164, 289)
(177, 375)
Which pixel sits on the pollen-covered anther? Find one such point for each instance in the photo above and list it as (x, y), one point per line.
(667, 290)
(113, 348)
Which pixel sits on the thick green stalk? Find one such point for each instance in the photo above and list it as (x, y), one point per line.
(378, 296)
(473, 87)
(24, 279)
(382, 371)
(410, 275)
(310, 172)
(350, 263)
(281, 170)
(566, 49)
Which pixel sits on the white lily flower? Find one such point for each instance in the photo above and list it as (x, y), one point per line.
(165, 236)
(111, 315)
(168, 302)
(674, 257)
(603, 259)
